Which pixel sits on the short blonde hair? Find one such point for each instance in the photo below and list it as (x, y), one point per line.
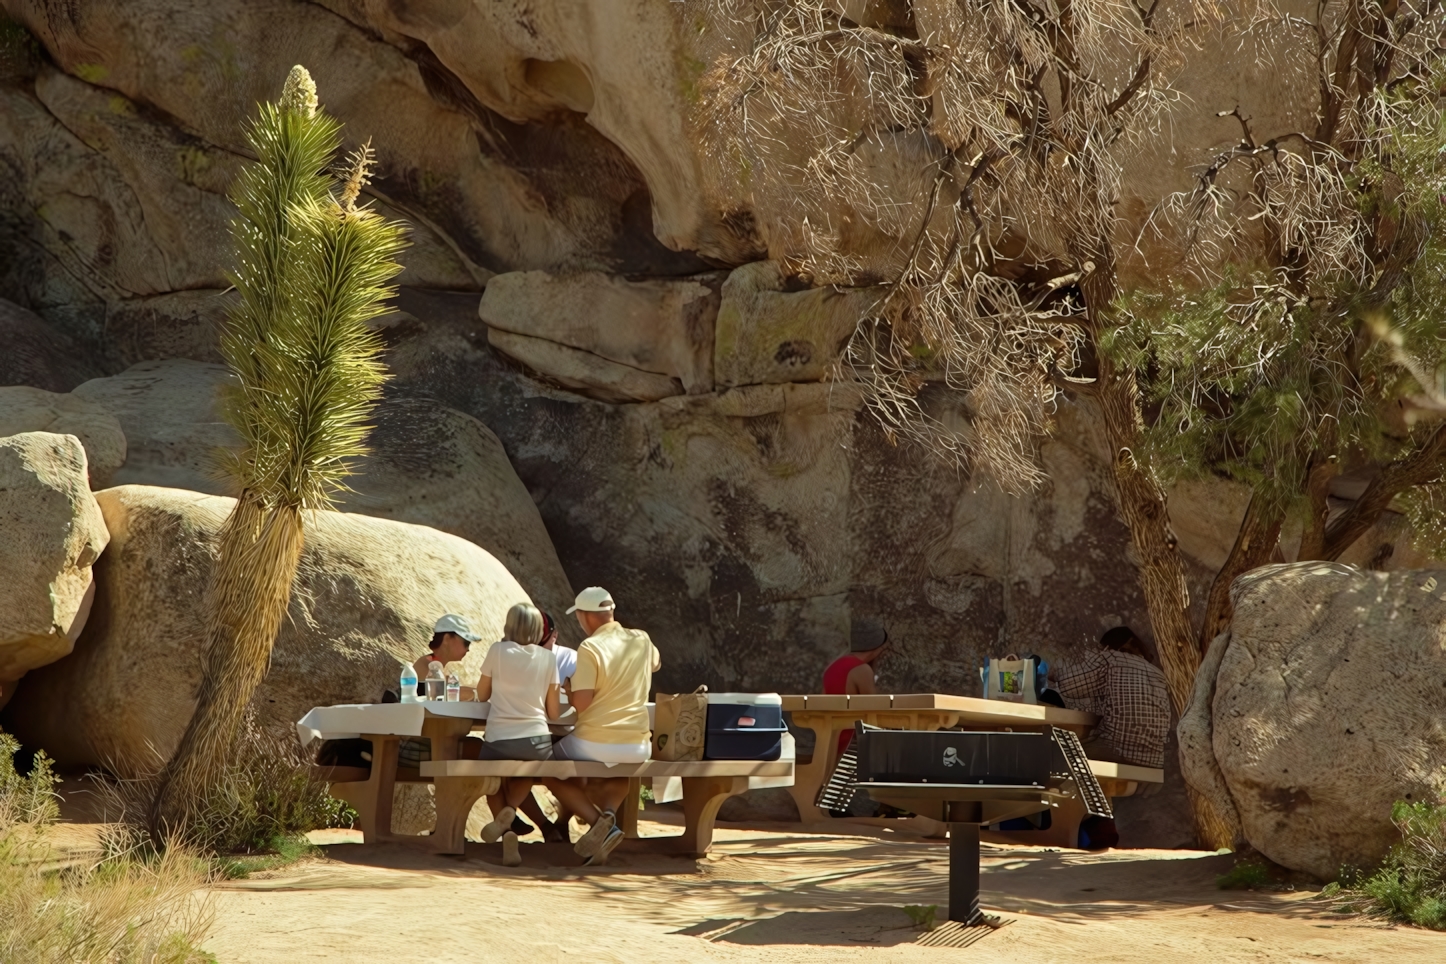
(524, 625)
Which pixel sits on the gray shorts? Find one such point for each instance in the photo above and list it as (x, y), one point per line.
(525, 748)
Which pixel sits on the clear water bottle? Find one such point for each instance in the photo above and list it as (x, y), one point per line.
(454, 688)
(408, 684)
(436, 682)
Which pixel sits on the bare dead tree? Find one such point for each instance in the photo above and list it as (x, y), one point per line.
(966, 159)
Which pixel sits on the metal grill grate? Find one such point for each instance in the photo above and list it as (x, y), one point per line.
(1095, 802)
(838, 792)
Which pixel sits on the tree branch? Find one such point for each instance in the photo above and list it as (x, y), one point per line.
(1254, 543)
(1421, 466)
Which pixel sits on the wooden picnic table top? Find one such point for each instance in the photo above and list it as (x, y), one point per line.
(971, 709)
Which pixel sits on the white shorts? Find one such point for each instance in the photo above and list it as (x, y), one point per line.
(571, 748)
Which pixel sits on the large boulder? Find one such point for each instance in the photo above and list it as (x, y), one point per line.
(51, 532)
(24, 409)
(430, 465)
(365, 599)
(1329, 706)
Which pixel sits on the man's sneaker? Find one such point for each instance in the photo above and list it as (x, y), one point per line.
(511, 854)
(500, 824)
(588, 843)
(609, 844)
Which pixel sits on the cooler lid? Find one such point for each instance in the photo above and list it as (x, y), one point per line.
(746, 699)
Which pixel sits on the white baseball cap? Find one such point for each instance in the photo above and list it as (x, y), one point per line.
(594, 599)
(452, 623)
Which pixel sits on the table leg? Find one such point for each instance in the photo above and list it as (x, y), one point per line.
(702, 798)
(809, 777)
(964, 873)
(372, 799)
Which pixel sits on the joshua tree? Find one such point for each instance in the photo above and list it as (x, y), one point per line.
(965, 156)
(312, 270)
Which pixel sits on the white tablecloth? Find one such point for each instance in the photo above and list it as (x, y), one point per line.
(350, 721)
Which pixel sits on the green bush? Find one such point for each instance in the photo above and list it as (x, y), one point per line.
(1249, 873)
(120, 909)
(1410, 885)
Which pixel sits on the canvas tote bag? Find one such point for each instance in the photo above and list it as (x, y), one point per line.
(1010, 678)
(680, 725)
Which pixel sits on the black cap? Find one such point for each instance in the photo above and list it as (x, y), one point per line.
(865, 635)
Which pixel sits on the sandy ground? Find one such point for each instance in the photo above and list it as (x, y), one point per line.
(777, 894)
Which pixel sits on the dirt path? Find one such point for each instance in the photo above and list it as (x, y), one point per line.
(777, 895)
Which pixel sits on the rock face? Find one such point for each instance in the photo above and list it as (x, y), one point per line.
(430, 465)
(36, 354)
(365, 598)
(1328, 706)
(52, 534)
(33, 410)
(664, 328)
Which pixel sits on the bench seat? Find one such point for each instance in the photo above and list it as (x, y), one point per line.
(706, 785)
(569, 769)
(1104, 770)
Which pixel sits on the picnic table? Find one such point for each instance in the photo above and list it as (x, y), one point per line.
(458, 784)
(385, 725)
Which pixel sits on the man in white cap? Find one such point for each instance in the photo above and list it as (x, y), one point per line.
(610, 686)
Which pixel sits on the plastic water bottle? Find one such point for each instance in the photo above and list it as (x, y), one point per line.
(408, 684)
(454, 688)
(436, 682)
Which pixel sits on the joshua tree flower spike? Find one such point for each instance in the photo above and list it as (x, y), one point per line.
(312, 270)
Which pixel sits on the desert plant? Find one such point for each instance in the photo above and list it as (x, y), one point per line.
(1410, 885)
(77, 909)
(261, 805)
(312, 271)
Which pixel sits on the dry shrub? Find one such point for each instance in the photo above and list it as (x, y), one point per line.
(265, 799)
(115, 907)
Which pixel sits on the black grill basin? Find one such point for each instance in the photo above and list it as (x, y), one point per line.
(955, 757)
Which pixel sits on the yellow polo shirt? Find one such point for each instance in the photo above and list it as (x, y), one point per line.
(617, 664)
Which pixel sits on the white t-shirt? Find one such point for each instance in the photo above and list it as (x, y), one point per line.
(520, 678)
(566, 660)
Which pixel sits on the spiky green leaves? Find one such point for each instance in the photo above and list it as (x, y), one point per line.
(312, 271)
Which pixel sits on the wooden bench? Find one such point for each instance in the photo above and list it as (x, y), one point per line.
(459, 784)
(1116, 780)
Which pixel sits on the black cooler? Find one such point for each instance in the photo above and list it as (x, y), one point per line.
(744, 726)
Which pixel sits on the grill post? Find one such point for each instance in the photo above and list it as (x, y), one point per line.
(964, 873)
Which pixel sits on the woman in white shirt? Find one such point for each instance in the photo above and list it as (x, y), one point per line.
(519, 679)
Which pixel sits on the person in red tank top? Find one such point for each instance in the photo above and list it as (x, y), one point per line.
(853, 673)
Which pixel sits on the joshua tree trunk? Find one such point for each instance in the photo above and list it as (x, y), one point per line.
(312, 272)
(246, 601)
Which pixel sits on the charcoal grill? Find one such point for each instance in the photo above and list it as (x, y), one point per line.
(966, 779)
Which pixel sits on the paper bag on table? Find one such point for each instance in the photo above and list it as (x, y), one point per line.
(680, 725)
(1010, 679)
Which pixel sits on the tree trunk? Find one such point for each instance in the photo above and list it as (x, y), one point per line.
(1317, 490)
(1254, 543)
(246, 600)
(1421, 466)
(1162, 572)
